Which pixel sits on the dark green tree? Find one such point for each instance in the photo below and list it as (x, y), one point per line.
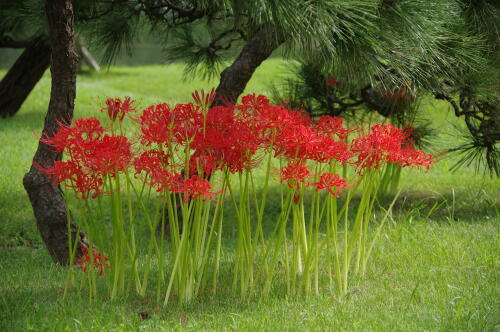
(202, 33)
(457, 61)
(474, 95)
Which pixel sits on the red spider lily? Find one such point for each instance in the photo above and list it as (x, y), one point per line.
(62, 171)
(188, 122)
(118, 108)
(252, 101)
(74, 177)
(399, 95)
(157, 122)
(150, 161)
(202, 163)
(195, 187)
(332, 81)
(295, 142)
(110, 154)
(155, 164)
(242, 144)
(231, 139)
(333, 183)
(99, 261)
(295, 174)
(324, 148)
(382, 145)
(202, 100)
(72, 136)
(300, 117)
(271, 117)
(388, 144)
(332, 125)
(104, 156)
(219, 122)
(92, 157)
(416, 158)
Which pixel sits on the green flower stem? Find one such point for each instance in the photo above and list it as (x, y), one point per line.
(243, 269)
(374, 185)
(345, 267)
(152, 245)
(259, 233)
(377, 233)
(72, 247)
(182, 244)
(279, 236)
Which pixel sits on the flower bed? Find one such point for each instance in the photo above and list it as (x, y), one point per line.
(196, 157)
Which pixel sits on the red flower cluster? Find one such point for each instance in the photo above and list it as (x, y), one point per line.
(92, 156)
(195, 187)
(231, 137)
(156, 123)
(97, 260)
(295, 174)
(387, 144)
(333, 183)
(156, 165)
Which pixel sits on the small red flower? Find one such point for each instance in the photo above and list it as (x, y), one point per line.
(295, 174)
(333, 183)
(325, 148)
(157, 122)
(205, 163)
(156, 164)
(388, 144)
(91, 157)
(382, 145)
(108, 155)
(332, 81)
(97, 260)
(86, 129)
(204, 100)
(195, 187)
(115, 107)
(254, 101)
(188, 121)
(332, 125)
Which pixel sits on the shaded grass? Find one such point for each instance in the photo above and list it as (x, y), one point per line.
(428, 276)
(432, 271)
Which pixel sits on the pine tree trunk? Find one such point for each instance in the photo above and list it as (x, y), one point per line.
(234, 78)
(24, 75)
(45, 196)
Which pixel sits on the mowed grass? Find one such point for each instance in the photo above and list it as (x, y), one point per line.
(436, 271)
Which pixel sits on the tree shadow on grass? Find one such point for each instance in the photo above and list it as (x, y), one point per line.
(448, 206)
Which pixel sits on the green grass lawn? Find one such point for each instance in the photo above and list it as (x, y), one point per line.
(430, 272)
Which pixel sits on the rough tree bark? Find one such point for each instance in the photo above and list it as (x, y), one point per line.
(24, 75)
(45, 196)
(234, 78)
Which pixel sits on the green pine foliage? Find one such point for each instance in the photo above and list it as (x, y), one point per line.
(445, 48)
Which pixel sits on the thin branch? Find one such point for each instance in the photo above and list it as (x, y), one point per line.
(180, 9)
